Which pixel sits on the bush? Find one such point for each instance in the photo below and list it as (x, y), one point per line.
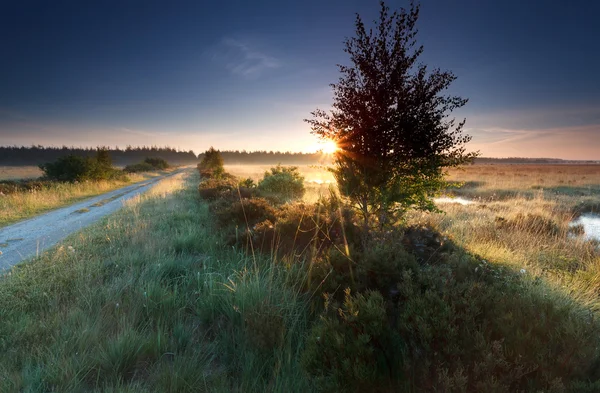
(211, 164)
(244, 212)
(457, 326)
(346, 350)
(156, 162)
(77, 168)
(139, 167)
(282, 183)
(148, 165)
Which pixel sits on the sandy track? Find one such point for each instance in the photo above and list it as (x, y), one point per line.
(28, 238)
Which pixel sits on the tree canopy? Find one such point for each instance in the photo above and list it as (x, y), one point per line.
(390, 118)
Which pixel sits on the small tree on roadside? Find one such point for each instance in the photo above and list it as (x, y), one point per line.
(211, 164)
(391, 121)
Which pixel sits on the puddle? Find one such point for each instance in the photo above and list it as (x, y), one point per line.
(591, 225)
(459, 200)
(319, 181)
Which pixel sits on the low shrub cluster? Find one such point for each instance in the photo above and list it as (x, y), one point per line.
(282, 184)
(149, 164)
(76, 168)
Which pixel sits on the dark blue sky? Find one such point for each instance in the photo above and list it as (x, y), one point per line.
(243, 74)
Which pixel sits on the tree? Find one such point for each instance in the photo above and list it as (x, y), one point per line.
(211, 164)
(391, 121)
(103, 157)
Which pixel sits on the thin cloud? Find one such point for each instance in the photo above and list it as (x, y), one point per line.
(243, 60)
(575, 143)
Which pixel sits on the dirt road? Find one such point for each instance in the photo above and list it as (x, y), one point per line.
(30, 237)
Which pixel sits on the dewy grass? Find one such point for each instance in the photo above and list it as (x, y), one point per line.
(22, 205)
(149, 299)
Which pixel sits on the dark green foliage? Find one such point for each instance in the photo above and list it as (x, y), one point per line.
(139, 167)
(346, 350)
(211, 164)
(157, 162)
(103, 157)
(76, 168)
(456, 326)
(149, 164)
(390, 119)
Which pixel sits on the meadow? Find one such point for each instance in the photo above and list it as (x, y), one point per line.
(19, 172)
(168, 295)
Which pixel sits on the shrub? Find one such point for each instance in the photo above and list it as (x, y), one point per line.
(139, 167)
(211, 164)
(157, 162)
(212, 189)
(244, 212)
(149, 164)
(77, 168)
(282, 183)
(349, 349)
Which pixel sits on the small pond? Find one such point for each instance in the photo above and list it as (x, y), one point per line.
(459, 200)
(591, 225)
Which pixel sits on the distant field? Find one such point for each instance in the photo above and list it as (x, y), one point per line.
(19, 172)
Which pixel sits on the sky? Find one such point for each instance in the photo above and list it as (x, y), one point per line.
(239, 74)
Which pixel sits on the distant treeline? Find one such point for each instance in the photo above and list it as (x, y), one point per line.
(522, 160)
(235, 157)
(35, 155)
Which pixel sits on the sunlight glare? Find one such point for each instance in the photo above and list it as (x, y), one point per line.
(329, 147)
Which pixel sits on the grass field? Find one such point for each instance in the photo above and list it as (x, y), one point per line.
(154, 299)
(18, 206)
(19, 172)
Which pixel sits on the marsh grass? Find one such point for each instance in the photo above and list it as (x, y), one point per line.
(25, 204)
(522, 221)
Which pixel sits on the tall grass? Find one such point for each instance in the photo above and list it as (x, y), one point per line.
(153, 299)
(150, 300)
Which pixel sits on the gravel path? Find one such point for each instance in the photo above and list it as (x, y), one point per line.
(28, 238)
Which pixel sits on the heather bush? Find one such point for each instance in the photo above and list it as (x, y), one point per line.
(242, 213)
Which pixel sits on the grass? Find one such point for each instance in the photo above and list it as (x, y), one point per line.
(147, 300)
(19, 172)
(153, 299)
(18, 206)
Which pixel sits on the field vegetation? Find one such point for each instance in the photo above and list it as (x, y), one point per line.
(183, 293)
(64, 182)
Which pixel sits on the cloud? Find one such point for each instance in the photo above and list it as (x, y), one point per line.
(243, 60)
(574, 143)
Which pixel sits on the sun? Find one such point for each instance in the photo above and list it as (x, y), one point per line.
(329, 147)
